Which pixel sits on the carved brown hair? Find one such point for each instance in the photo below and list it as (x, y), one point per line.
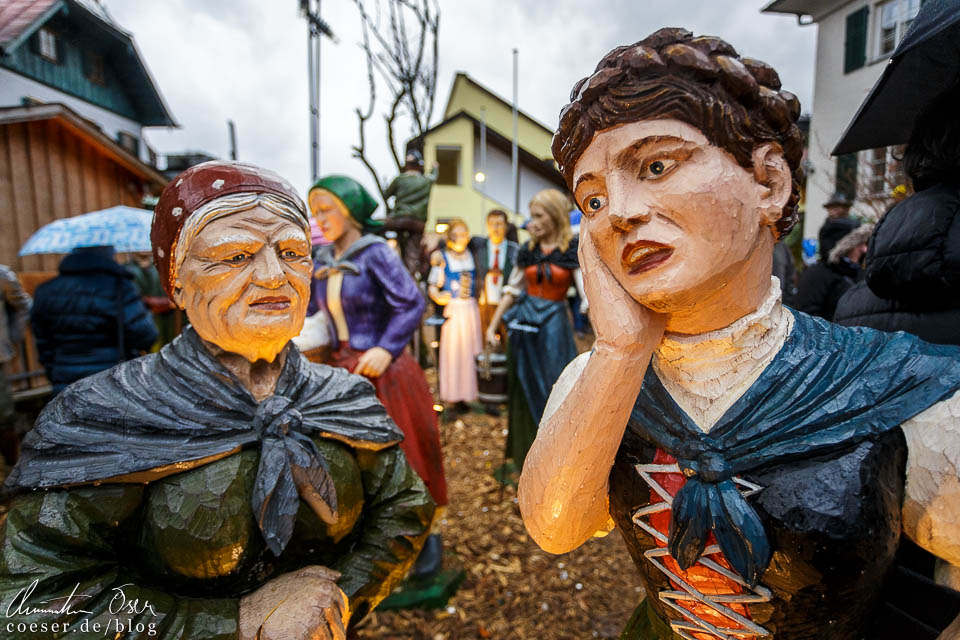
(736, 102)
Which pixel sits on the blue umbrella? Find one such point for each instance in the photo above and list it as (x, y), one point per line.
(126, 229)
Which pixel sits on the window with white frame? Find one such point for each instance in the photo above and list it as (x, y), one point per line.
(877, 167)
(894, 17)
(883, 172)
(47, 44)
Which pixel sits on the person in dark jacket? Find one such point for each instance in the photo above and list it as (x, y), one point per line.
(913, 259)
(821, 285)
(785, 271)
(88, 318)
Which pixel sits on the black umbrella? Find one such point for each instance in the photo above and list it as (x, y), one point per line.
(925, 64)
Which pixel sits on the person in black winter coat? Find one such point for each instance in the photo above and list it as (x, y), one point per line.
(913, 260)
(88, 318)
(821, 285)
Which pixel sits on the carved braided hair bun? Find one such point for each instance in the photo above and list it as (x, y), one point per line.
(736, 102)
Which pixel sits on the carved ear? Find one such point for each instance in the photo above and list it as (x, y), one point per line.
(177, 296)
(771, 170)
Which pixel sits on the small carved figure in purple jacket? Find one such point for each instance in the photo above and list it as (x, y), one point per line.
(373, 307)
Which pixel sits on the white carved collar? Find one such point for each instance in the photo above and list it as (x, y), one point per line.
(706, 373)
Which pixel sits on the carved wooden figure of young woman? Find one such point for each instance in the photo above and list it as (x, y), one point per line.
(534, 306)
(239, 490)
(759, 463)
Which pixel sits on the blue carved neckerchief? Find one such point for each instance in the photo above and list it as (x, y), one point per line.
(181, 405)
(827, 388)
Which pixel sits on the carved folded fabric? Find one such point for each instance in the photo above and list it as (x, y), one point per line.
(327, 264)
(165, 411)
(827, 388)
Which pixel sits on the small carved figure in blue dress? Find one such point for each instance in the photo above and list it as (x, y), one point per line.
(453, 285)
(761, 464)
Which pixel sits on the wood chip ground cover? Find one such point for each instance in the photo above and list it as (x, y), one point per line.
(512, 589)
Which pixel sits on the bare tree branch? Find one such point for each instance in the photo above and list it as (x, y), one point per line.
(400, 41)
(391, 140)
(359, 153)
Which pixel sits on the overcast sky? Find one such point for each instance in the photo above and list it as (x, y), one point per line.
(245, 60)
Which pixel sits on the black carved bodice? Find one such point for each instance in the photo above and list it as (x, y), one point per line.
(833, 521)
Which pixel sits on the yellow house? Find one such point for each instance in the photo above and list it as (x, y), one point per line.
(473, 179)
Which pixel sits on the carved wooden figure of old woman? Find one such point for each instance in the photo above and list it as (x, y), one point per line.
(238, 489)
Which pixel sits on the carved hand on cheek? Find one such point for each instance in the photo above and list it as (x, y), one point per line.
(621, 323)
(245, 282)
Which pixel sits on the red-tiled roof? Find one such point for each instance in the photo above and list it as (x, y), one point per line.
(17, 16)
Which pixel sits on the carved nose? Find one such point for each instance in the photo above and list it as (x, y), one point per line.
(624, 221)
(268, 271)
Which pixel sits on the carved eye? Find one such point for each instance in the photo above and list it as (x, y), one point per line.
(658, 168)
(238, 258)
(595, 203)
(290, 254)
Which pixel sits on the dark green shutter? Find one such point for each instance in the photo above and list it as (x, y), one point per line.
(855, 46)
(846, 181)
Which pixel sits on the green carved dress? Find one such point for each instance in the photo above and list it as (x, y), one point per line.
(173, 556)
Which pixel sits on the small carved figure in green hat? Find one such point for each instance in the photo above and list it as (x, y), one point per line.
(357, 200)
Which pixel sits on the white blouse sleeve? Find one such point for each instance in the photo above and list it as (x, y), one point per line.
(436, 276)
(516, 283)
(931, 504)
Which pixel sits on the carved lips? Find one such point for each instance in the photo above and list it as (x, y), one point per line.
(644, 255)
(271, 303)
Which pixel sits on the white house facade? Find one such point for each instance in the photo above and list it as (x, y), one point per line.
(854, 41)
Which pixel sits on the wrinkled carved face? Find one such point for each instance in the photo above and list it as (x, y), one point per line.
(672, 216)
(459, 238)
(541, 226)
(245, 282)
(331, 214)
(496, 228)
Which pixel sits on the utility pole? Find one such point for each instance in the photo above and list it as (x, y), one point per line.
(481, 176)
(316, 26)
(233, 139)
(516, 140)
